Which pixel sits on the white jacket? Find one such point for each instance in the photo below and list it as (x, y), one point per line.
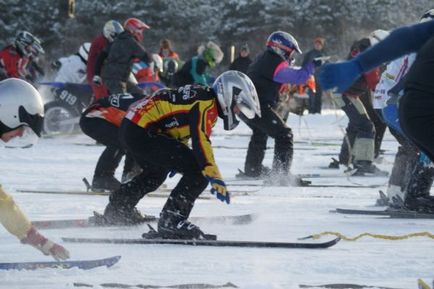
(72, 70)
(391, 76)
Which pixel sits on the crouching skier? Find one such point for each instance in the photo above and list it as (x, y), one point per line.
(101, 121)
(155, 131)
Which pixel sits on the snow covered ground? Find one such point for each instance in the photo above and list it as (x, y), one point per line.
(283, 214)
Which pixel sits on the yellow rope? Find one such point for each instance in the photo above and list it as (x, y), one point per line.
(377, 236)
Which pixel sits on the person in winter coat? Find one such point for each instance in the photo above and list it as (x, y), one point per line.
(358, 145)
(118, 59)
(416, 104)
(15, 58)
(242, 62)
(194, 71)
(110, 30)
(268, 72)
(315, 96)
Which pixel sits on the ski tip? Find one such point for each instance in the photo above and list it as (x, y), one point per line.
(113, 261)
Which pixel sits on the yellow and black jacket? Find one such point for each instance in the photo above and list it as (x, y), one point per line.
(189, 112)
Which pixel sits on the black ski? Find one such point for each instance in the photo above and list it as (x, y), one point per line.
(212, 243)
(96, 221)
(392, 213)
(144, 286)
(344, 286)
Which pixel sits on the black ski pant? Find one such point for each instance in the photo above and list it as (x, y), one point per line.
(405, 161)
(108, 134)
(376, 117)
(158, 154)
(269, 124)
(315, 98)
(416, 114)
(358, 143)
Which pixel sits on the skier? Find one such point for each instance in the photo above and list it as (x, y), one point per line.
(15, 57)
(242, 62)
(72, 69)
(21, 113)
(359, 142)
(101, 121)
(411, 172)
(111, 29)
(156, 131)
(268, 72)
(119, 57)
(415, 106)
(194, 71)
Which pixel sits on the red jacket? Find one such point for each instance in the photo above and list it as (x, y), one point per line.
(13, 63)
(98, 44)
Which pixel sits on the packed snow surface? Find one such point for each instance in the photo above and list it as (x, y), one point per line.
(282, 214)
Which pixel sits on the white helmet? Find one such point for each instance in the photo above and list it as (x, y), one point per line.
(427, 16)
(377, 35)
(158, 62)
(20, 104)
(111, 29)
(236, 94)
(83, 51)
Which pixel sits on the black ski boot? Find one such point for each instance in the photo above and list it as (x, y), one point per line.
(173, 225)
(334, 164)
(105, 183)
(263, 173)
(422, 204)
(121, 216)
(367, 168)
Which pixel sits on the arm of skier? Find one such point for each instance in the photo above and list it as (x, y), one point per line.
(286, 74)
(401, 41)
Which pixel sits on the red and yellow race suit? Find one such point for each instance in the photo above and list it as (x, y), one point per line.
(189, 112)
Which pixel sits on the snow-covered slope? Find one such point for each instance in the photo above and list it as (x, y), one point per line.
(283, 214)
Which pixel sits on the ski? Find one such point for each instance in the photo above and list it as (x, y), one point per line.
(160, 193)
(345, 286)
(92, 221)
(81, 264)
(179, 286)
(392, 213)
(212, 243)
(258, 184)
(361, 212)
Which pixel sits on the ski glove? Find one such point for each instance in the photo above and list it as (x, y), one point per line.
(218, 186)
(97, 80)
(47, 247)
(339, 75)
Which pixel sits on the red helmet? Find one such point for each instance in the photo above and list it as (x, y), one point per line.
(135, 27)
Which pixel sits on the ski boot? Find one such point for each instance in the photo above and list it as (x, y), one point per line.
(334, 164)
(263, 173)
(119, 216)
(422, 204)
(366, 168)
(173, 225)
(105, 183)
